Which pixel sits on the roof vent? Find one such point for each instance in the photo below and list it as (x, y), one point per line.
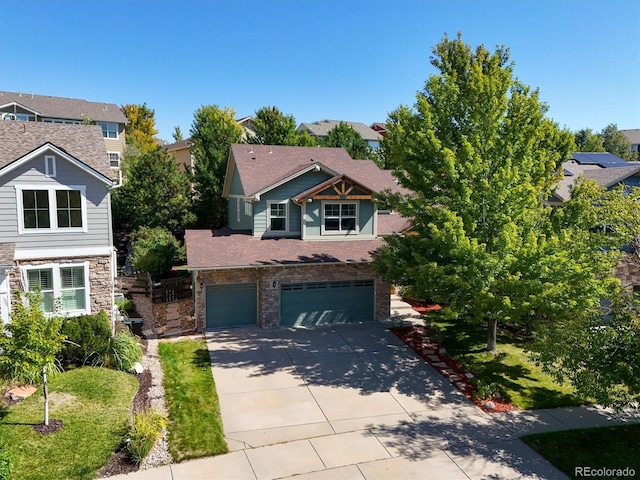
(253, 158)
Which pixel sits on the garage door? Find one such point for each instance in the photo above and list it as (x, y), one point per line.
(321, 303)
(231, 305)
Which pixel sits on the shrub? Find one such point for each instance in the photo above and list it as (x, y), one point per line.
(145, 429)
(125, 305)
(123, 351)
(5, 464)
(155, 250)
(88, 338)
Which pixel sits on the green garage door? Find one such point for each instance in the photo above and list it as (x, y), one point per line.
(321, 303)
(231, 305)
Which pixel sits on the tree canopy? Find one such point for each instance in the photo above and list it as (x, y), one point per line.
(480, 158)
(213, 131)
(272, 127)
(156, 193)
(614, 141)
(343, 135)
(141, 130)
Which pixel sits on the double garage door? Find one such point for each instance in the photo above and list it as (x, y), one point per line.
(314, 303)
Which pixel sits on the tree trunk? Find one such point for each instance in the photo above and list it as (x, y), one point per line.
(45, 389)
(492, 334)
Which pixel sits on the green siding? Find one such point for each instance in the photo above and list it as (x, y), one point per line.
(320, 303)
(236, 184)
(366, 211)
(238, 220)
(231, 305)
(365, 217)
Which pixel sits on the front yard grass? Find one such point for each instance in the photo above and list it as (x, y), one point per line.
(516, 376)
(586, 448)
(195, 428)
(92, 402)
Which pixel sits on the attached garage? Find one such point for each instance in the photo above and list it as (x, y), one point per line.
(321, 303)
(231, 305)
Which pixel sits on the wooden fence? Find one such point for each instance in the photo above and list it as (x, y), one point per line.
(163, 291)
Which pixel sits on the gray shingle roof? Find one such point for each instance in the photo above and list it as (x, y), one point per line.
(84, 142)
(321, 128)
(608, 177)
(65, 108)
(261, 166)
(633, 135)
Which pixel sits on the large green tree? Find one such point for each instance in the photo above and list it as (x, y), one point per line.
(588, 141)
(156, 193)
(141, 130)
(614, 141)
(213, 131)
(345, 136)
(272, 127)
(480, 158)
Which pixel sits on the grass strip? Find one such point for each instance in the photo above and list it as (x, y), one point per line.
(614, 448)
(519, 379)
(92, 402)
(195, 428)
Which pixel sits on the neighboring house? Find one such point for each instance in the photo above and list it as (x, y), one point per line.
(320, 129)
(379, 127)
(606, 169)
(303, 229)
(633, 136)
(55, 217)
(28, 107)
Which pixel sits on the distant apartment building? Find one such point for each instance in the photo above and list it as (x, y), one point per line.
(28, 107)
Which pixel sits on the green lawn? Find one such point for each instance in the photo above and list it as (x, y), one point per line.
(519, 379)
(610, 447)
(94, 405)
(195, 428)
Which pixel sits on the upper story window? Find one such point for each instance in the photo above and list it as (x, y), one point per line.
(63, 288)
(61, 121)
(50, 166)
(109, 130)
(340, 217)
(50, 210)
(278, 217)
(114, 159)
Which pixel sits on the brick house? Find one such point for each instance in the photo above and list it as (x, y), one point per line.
(303, 229)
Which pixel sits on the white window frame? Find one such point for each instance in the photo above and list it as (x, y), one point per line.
(117, 154)
(50, 166)
(57, 285)
(61, 121)
(107, 128)
(248, 208)
(355, 231)
(286, 216)
(53, 210)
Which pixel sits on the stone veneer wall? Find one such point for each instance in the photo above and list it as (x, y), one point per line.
(100, 279)
(269, 296)
(629, 273)
(164, 319)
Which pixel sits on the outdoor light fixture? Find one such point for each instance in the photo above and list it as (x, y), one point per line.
(201, 285)
(275, 284)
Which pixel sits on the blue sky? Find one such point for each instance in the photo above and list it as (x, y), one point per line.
(348, 60)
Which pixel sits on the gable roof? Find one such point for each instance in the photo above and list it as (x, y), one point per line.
(321, 128)
(331, 185)
(84, 143)
(633, 135)
(64, 108)
(605, 177)
(260, 167)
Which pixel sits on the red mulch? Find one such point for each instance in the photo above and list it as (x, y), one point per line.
(421, 306)
(418, 339)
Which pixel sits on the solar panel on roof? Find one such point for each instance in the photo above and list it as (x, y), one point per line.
(604, 159)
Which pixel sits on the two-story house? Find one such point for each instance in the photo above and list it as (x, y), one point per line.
(55, 217)
(303, 230)
(28, 107)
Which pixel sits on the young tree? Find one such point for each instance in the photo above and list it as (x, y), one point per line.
(177, 134)
(480, 158)
(141, 130)
(29, 344)
(213, 131)
(343, 135)
(155, 250)
(614, 141)
(156, 193)
(274, 128)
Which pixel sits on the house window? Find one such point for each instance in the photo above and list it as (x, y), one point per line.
(109, 130)
(340, 217)
(69, 208)
(278, 217)
(61, 121)
(51, 209)
(36, 209)
(63, 288)
(114, 159)
(49, 166)
(248, 208)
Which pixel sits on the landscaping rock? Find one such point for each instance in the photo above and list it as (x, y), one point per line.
(489, 405)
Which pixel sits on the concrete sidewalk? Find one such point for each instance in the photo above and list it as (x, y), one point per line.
(353, 402)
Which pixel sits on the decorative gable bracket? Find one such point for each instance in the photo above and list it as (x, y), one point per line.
(340, 187)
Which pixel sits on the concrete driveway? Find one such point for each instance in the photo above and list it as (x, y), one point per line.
(352, 402)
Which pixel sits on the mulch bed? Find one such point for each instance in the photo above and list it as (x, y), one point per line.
(418, 338)
(53, 427)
